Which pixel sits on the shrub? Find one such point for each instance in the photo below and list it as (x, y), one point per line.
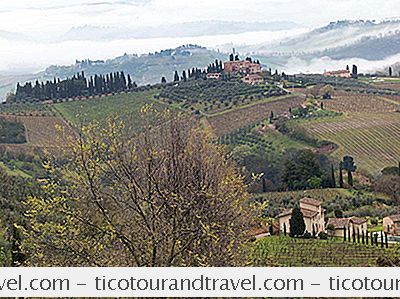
(323, 236)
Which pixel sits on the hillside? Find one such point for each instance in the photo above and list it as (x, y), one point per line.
(369, 48)
(336, 34)
(144, 69)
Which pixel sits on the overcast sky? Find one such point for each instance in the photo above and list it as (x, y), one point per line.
(52, 17)
(43, 22)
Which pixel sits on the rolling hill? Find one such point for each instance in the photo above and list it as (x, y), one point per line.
(340, 34)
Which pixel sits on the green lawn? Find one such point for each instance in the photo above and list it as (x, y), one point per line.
(126, 106)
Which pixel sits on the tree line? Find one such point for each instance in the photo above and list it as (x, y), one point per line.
(77, 86)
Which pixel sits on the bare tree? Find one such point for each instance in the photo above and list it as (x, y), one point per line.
(165, 196)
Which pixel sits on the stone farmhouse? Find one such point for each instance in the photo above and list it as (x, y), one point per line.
(253, 79)
(339, 74)
(242, 66)
(314, 216)
(216, 76)
(391, 225)
(356, 224)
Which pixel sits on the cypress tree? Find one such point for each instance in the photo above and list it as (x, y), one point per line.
(344, 233)
(358, 236)
(341, 183)
(333, 180)
(367, 237)
(129, 82)
(386, 240)
(284, 229)
(264, 185)
(163, 80)
(176, 76)
(297, 224)
(382, 239)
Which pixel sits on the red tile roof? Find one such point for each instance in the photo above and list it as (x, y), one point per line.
(338, 223)
(310, 201)
(306, 213)
(394, 218)
(358, 220)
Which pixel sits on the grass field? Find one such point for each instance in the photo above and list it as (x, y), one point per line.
(292, 252)
(372, 139)
(125, 106)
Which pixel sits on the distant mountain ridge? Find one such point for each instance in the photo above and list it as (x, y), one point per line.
(340, 39)
(188, 29)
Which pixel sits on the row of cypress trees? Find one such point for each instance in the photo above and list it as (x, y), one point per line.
(77, 86)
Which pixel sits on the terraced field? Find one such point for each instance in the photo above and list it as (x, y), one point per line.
(292, 252)
(230, 121)
(372, 139)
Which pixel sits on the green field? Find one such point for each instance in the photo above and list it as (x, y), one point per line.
(293, 252)
(126, 106)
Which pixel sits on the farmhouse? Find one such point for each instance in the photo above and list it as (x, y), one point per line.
(253, 79)
(338, 225)
(391, 225)
(339, 74)
(314, 216)
(242, 66)
(214, 76)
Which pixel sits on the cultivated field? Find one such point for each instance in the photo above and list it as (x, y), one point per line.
(27, 109)
(355, 102)
(41, 131)
(292, 252)
(213, 96)
(230, 121)
(372, 139)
